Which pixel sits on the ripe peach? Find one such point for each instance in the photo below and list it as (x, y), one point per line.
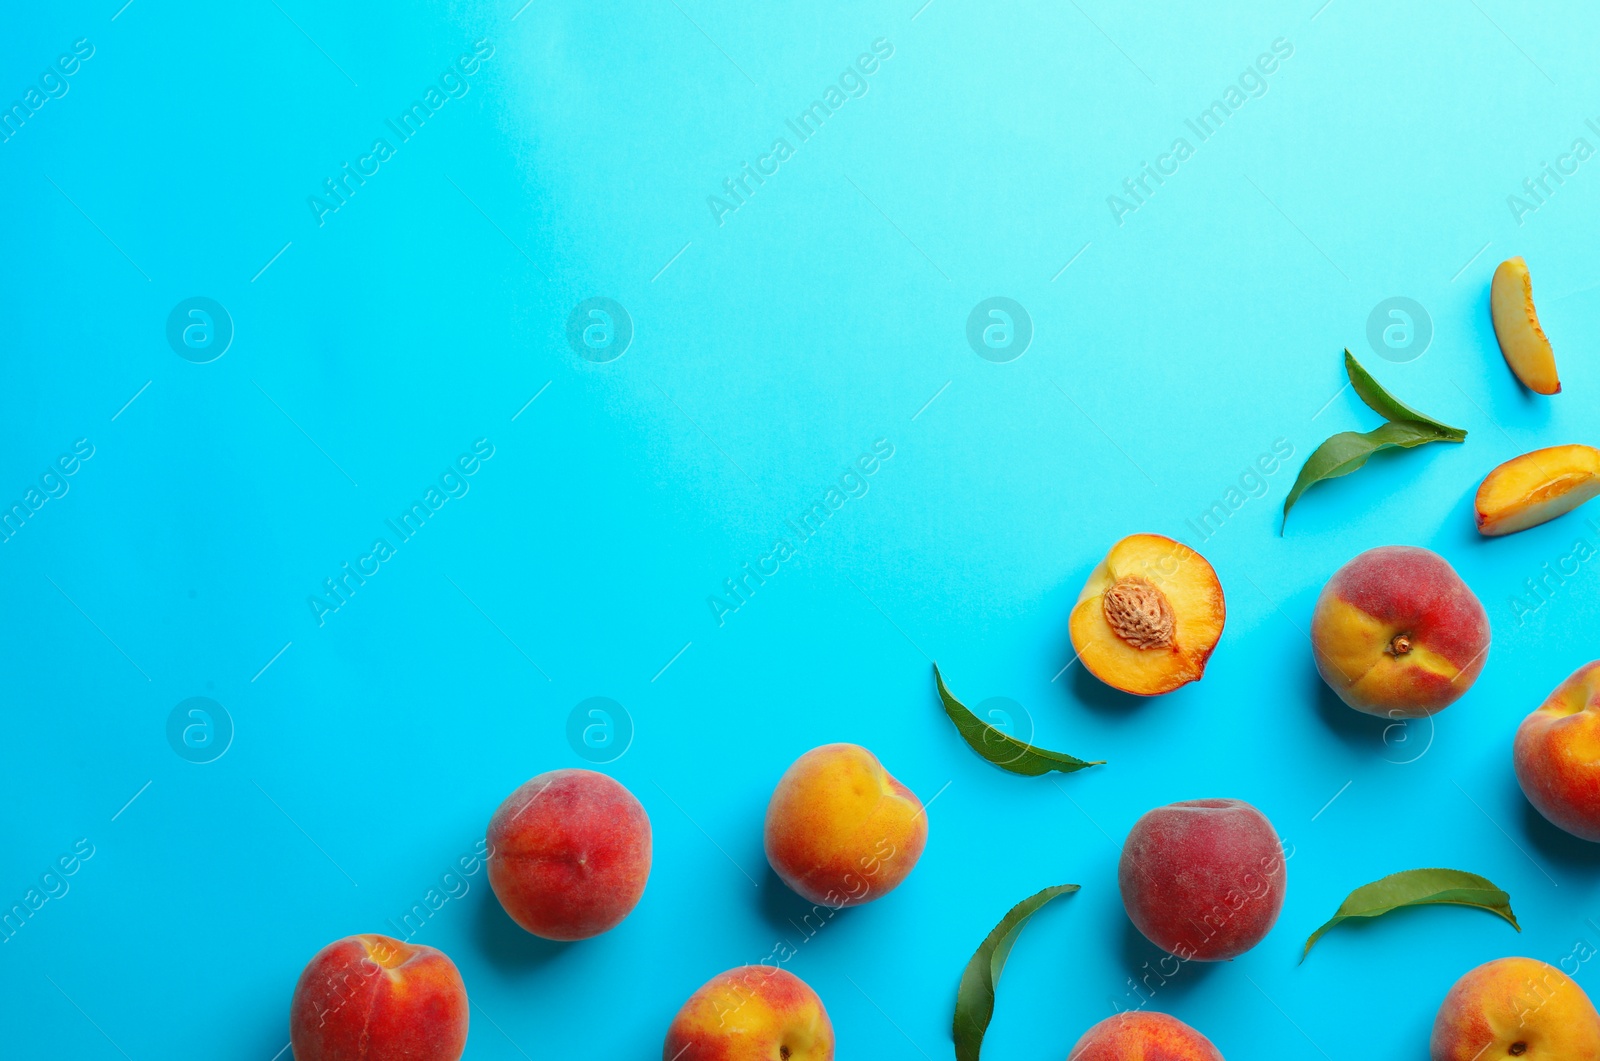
(1516, 1007)
(1396, 633)
(1203, 879)
(569, 853)
(753, 1013)
(1537, 487)
(1140, 1036)
(1149, 616)
(1516, 327)
(1557, 755)
(840, 830)
(370, 996)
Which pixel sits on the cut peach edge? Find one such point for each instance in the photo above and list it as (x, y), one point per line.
(1522, 340)
(1536, 487)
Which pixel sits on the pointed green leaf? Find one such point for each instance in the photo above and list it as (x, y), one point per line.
(1387, 405)
(975, 998)
(1419, 887)
(1002, 750)
(1349, 450)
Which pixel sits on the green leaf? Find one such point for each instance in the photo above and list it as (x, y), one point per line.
(1419, 887)
(1387, 405)
(975, 998)
(1349, 450)
(1002, 750)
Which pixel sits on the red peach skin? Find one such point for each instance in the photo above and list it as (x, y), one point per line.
(1557, 755)
(1203, 879)
(372, 998)
(840, 830)
(569, 854)
(753, 1013)
(1139, 1036)
(1398, 634)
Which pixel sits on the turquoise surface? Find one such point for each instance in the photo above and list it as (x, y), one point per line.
(604, 300)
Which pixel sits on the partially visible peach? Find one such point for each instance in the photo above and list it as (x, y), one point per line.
(1203, 879)
(569, 854)
(840, 830)
(1149, 616)
(1516, 1007)
(368, 997)
(1397, 634)
(1557, 755)
(1516, 327)
(753, 1013)
(1537, 487)
(1140, 1036)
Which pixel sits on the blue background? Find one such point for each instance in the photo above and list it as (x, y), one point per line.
(768, 353)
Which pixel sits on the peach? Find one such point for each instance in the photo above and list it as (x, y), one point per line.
(1516, 1007)
(1139, 1036)
(1149, 616)
(1537, 487)
(1397, 634)
(1557, 755)
(840, 830)
(1516, 327)
(753, 1013)
(366, 997)
(569, 853)
(1203, 879)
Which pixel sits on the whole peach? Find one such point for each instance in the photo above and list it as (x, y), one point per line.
(1397, 634)
(1557, 755)
(1203, 879)
(753, 1013)
(840, 830)
(1139, 1036)
(569, 854)
(1516, 1007)
(367, 997)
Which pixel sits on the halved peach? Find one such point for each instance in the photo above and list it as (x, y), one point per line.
(1516, 326)
(1149, 616)
(1537, 487)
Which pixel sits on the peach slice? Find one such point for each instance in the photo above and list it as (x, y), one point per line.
(1516, 326)
(1149, 616)
(1537, 487)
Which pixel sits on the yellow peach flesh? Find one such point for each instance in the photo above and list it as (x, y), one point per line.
(1516, 326)
(1165, 636)
(1537, 487)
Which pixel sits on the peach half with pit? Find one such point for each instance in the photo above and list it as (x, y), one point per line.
(1149, 617)
(1397, 633)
